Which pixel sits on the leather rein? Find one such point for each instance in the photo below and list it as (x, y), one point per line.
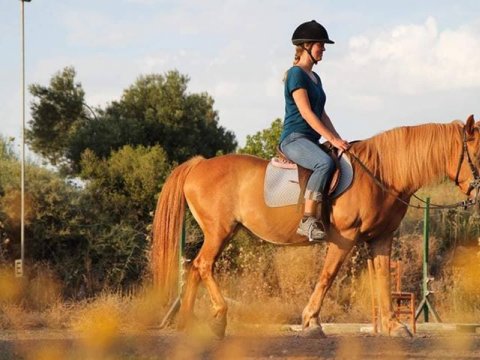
(474, 184)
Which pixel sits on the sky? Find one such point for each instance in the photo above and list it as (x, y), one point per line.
(394, 63)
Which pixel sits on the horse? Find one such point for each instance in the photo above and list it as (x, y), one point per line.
(226, 191)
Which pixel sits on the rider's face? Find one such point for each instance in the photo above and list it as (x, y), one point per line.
(317, 50)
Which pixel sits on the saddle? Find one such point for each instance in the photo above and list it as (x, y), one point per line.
(282, 161)
(304, 174)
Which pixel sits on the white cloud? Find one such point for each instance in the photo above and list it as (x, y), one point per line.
(414, 59)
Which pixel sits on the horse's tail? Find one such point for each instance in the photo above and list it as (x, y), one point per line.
(167, 224)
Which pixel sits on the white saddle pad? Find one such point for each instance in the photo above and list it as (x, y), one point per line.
(281, 187)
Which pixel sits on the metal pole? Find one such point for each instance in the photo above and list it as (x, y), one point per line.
(19, 266)
(425, 305)
(426, 235)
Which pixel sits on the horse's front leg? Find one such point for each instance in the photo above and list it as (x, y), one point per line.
(381, 250)
(338, 250)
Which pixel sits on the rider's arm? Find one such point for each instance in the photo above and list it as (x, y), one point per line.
(301, 100)
(328, 123)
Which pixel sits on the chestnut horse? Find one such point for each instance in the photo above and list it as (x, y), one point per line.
(226, 191)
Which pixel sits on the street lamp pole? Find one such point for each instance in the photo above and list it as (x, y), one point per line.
(19, 264)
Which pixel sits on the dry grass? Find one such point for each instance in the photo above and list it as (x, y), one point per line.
(265, 291)
(98, 324)
(461, 287)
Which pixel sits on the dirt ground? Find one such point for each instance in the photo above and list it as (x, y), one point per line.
(250, 344)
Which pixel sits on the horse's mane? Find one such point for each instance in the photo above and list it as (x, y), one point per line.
(410, 156)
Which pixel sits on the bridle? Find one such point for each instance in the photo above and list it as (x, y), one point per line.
(475, 183)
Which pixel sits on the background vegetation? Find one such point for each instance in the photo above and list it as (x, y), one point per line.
(88, 216)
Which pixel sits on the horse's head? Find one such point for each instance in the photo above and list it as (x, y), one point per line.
(468, 169)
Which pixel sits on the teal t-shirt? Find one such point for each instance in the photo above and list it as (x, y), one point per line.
(293, 121)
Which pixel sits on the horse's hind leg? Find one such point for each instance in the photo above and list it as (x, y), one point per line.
(188, 298)
(202, 269)
(204, 262)
(338, 249)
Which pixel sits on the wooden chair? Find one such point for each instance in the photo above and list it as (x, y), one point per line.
(403, 302)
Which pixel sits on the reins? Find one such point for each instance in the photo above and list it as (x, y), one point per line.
(475, 184)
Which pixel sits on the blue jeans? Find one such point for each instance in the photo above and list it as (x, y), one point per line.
(309, 155)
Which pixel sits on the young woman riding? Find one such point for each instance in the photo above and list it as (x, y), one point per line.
(306, 121)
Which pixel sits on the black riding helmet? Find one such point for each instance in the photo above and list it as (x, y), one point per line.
(310, 31)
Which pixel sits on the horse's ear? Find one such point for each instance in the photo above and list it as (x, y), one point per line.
(470, 125)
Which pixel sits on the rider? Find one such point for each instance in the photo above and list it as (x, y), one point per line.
(306, 121)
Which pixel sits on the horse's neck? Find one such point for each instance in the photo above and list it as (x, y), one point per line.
(405, 159)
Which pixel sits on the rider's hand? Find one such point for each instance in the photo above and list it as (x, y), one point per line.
(340, 144)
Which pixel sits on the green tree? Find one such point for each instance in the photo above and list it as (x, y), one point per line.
(155, 110)
(110, 132)
(9, 169)
(9, 176)
(57, 113)
(125, 186)
(183, 124)
(265, 142)
(120, 194)
(52, 215)
(94, 233)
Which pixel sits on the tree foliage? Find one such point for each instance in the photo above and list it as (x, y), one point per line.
(125, 186)
(95, 236)
(57, 113)
(94, 231)
(155, 110)
(264, 143)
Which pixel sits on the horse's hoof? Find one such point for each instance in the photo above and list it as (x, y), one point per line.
(401, 331)
(312, 332)
(218, 326)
